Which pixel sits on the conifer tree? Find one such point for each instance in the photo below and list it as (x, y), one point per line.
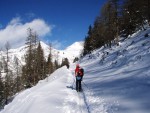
(107, 18)
(29, 71)
(65, 62)
(49, 64)
(75, 59)
(117, 17)
(133, 16)
(1, 92)
(98, 33)
(56, 65)
(115, 20)
(88, 42)
(17, 80)
(40, 64)
(7, 81)
(147, 10)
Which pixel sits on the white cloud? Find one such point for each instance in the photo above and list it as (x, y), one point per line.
(16, 31)
(15, 21)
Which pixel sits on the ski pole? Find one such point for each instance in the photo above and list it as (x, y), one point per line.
(89, 90)
(73, 83)
(85, 85)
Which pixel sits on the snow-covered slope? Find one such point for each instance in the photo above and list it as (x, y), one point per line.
(46, 97)
(120, 76)
(116, 80)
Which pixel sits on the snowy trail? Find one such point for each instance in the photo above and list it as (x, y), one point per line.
(55, 94)
(49, 96)
(78, 97)
(86, 101)
(82, 103)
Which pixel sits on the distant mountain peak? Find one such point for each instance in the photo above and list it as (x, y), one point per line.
(70, 52)
(75, 46)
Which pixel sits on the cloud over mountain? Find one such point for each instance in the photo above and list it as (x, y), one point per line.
(16, 31)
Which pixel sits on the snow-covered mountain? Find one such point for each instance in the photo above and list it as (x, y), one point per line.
(116, 80)
(70, 52)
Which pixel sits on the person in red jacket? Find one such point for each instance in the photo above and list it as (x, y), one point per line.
(78, 75)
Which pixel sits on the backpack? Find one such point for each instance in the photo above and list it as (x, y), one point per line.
(81, 72)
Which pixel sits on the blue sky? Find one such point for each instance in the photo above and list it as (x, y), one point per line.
(62, 22)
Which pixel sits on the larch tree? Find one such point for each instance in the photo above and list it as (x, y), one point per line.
(40, 64)
(49, 64)
(29, 71)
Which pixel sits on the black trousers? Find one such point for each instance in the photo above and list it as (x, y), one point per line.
(78, 85)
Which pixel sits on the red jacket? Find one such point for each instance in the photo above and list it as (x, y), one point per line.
(77, 71)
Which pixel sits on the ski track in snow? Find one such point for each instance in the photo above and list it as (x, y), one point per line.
(75, 101)
(83, 102)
